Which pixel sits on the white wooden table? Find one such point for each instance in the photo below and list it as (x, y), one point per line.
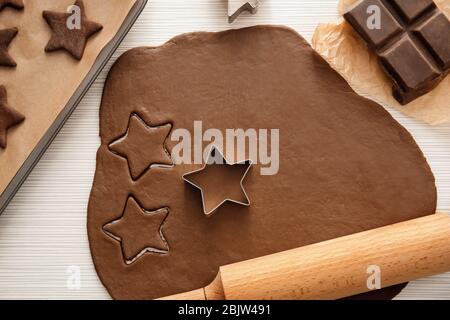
(43, 231)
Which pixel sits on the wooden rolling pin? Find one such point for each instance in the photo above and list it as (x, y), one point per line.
(337, 268)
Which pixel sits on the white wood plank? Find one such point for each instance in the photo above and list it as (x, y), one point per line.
(43, 231)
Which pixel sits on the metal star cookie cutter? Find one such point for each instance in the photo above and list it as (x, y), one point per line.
(225, 162)
(236, 7)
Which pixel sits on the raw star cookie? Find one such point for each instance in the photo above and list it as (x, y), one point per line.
(8, 117)
(139, 231)
(143, 146)
(72, 39)
(6, 36)
(345, 165)
(16, 4)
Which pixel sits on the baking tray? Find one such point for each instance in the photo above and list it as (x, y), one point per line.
(67, 111)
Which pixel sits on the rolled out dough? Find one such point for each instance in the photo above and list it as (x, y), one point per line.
(345, 164)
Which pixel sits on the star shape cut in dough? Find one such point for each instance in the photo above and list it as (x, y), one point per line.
(143, 146)
(8, 117)
(16, 4)
(6, 36)
(73, 40)
(220, 182)
(139, 231)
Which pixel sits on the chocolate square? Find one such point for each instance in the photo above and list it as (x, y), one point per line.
(413, 75)
(435, 33)
(359, 17)
(407, 76)
(411, 9)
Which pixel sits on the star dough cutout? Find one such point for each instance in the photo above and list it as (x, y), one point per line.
(8, 117)
(143, 146)
(139, 231)
(220, 182)
(72, 40)
(6, 36)
(16, 4)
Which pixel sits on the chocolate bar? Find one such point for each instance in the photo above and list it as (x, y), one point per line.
(411, 39)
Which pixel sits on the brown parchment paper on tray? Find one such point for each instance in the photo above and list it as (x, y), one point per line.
(347, 54)
(43, 83)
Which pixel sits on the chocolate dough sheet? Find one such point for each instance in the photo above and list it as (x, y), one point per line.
(345, 164)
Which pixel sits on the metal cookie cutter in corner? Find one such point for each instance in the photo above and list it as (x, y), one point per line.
(236, 7)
